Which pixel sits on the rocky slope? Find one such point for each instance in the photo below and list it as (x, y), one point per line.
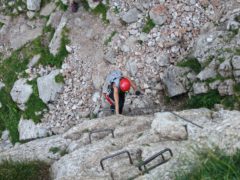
(73, 156)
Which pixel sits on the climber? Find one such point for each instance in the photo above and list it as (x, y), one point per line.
(115, 88)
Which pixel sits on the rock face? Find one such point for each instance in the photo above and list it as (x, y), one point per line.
(48, 9)
(131, 16)
(36, 150)
(142, 136)
(166, 126)
(175, 80)
(29, 130)
(21, 91)
(48, 88)
(158, 14)
(33, 5)
(56, 40)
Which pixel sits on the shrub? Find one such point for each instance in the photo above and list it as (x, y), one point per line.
(214, 164)
(149, 25)
(204, 100)
(192, 63)
(24, 170)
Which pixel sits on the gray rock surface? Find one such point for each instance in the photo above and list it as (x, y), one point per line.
(158, 14)
(56, 40)
(34, 61)
(21, 91)
(236, 62)
(47, 86)
(225, 69)
(29, 130)
(226, 87)
(175, 81)
(2, 85)
(199, 88)
(166, 126)
(130, 16)
(33, 5)
(48, 9)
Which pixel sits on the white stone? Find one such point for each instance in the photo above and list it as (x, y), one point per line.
(48, 9)
(48, 88)
(33, 5)
(29, 130)
(21, 91)
(34, 60)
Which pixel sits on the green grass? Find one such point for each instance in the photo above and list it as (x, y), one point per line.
(101, 10)
(59, 78)
(85, 5)
(34, 104)
(61, 6)
(109, 39)
(204, 100)
(192, 63)
(148, 26)
(12, 68)
(1, 25)
(213, 165)
(34, 170)
(55, 150)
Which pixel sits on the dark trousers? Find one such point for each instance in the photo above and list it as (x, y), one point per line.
(121, 101)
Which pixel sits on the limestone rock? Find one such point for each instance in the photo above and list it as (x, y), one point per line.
(199, 88)
(236, 62)
(158, 14)
(48, 9)
(2, 85)
(29, 130)
(130, 16)
(236, 74)
(39, 149)
(225, 69)
(226, 87)
(175, 81)
(21, 91)
(166, 126)
(34, 60)
(47, 86)
(56, 40)
(33, 5)
(5, 135)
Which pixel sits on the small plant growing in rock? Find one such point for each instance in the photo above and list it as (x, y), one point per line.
(101, 9)
(59, 78)
(54, 150)
(149, 25)
(192, 63)
(109, 39)
(61, 6)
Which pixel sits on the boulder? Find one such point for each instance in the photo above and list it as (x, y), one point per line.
(158, 14)
(209, 71)
(29, 130)
(47, 86)
(199, 88)
(225, 69)
(38, 150)
(33, 5)
(21, 91)
(5, 135)
(214, 85)
(131, 66)
(48, 9)
(226, 87)
(162, 60)
(175, 80)
(236, 62)
(236, 75)
(34, 60)
(56, 40)
(166, 126)
(130, 16)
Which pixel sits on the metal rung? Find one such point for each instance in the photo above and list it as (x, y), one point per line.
(144, 163)
(98, 131)
(111, 156)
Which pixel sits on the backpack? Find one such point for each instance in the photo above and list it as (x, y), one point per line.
(112, 77)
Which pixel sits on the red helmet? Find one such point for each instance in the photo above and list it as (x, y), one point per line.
(125, 84)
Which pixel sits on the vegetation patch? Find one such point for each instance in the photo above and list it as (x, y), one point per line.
(1, 25)
(24, 170)
(55, 150)
(62, 6)
(213, 164)
(149, 25)
(12, 68)
(101, 10)
(85, 5)
(59, 78)
(35, 105)
(109, 39)
(192, 63)
(204, 100)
